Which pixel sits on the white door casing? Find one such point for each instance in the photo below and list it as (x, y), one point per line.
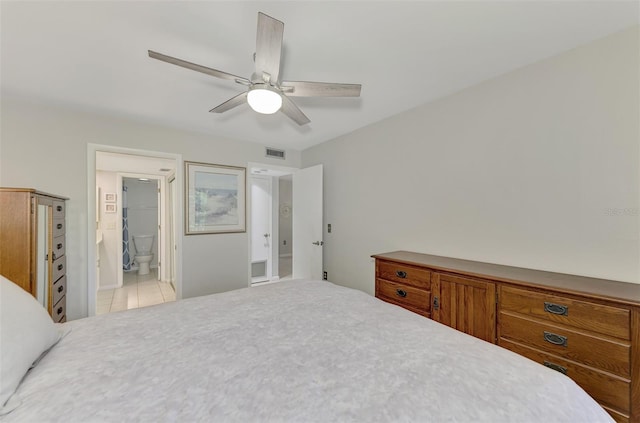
(172, 231)
(261, 222)
(307, 223)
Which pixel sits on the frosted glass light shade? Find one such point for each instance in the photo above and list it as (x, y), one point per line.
(264, 101)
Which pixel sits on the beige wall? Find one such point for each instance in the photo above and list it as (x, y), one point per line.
(45, 147)
(537, 168)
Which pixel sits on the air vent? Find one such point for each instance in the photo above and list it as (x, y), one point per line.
(272, 152)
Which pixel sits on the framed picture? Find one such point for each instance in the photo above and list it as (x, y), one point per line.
(109, 197)
(110, 208)
(215, 198)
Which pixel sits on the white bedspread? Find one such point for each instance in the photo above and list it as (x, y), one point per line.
(298, 351)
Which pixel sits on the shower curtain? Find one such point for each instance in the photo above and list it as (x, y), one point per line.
(126, 257)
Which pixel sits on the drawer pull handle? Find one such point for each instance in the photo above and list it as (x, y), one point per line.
(59, 226)
(60, 267)
(401, 293)
(436, 303)
(53, 256)
(554, 339)
(59, 246)
(59, 208)
(59, 310)
(401, 274)
(556, 309)
(60, 288)
(556, 367)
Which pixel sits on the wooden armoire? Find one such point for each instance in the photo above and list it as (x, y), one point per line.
(32, 245)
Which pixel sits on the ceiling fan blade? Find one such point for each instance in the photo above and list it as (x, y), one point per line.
(231, 103)
(290, 109)
(268, 46)
(197, 68)
(320, 89)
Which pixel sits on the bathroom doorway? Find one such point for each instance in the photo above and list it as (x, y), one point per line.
(141, 216)
(134, 213)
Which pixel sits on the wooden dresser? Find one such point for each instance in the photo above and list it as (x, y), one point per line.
(32, 245)
(586, 328)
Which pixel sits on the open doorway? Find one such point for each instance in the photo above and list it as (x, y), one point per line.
(270, 199)
(134, 211)
(285, 223)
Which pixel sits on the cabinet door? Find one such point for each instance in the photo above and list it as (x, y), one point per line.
(468, 305)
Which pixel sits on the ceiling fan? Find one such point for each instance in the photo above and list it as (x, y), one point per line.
(267, 93)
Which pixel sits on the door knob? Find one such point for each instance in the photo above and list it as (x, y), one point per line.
(266, 235)
(318, 243)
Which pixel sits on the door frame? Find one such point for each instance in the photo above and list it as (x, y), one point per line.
(273, 238)
(171, 193)
(92, 150)
(161, 182)
(283, 170)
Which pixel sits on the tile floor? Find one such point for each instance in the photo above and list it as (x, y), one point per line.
(137, 291)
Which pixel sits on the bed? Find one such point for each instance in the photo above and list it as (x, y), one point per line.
(299, 351)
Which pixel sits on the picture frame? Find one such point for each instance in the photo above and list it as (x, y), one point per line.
(110, 197)
(215, 199)
(110, 207)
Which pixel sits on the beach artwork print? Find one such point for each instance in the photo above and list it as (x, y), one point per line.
(216, 198)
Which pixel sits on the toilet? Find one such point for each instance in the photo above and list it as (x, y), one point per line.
(143, 257)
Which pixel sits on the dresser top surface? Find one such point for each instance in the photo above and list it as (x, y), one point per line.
(621, 291)
(33, 191)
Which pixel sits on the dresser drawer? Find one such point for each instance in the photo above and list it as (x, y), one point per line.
(58, 209)
(58, 247)
(59, 289)
(611, 321)
(590, 349)
(59, 311)
(406, 296)
(59, 268)
(407, 275)
(58, 227)
(607, 389)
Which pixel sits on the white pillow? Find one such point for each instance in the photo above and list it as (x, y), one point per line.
(26, 331)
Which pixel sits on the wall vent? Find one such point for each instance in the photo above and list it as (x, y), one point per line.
(278, 154)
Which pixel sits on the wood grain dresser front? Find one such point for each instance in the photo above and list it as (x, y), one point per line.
(32, 246)
(585, 328)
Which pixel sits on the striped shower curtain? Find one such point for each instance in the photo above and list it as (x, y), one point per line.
(126, 257)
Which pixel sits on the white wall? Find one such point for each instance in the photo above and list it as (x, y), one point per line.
(45, 147)
(537, 168)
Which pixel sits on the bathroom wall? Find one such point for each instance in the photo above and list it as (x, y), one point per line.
(107, 249)
(142, 208)
(285, 223)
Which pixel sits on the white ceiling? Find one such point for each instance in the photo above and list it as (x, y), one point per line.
(93, 55)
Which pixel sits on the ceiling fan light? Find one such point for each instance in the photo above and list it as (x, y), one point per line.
(264, 100)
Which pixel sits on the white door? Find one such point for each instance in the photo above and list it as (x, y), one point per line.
(260, 228)
(307, 223)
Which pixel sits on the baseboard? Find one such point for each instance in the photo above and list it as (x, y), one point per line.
(104, 288)
(285, 255)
